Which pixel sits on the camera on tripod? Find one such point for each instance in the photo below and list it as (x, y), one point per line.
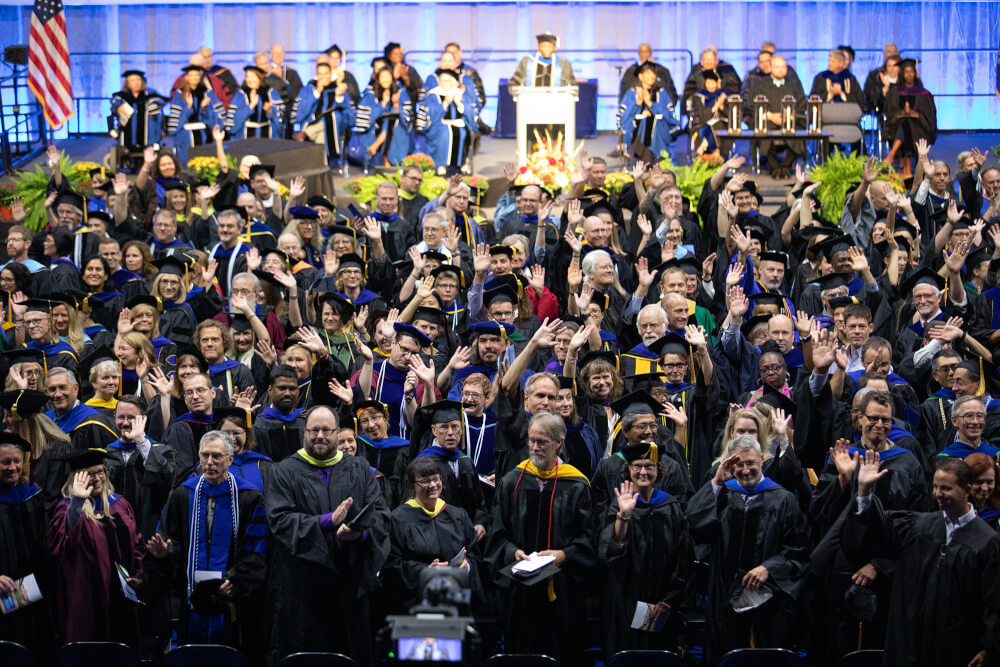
(436, 630)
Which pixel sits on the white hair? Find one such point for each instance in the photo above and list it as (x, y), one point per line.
(212, 436)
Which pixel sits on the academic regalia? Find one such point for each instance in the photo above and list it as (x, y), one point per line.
(460, 482)
(538, 71)
(654, 563)
(447, 128)
(23, 551)
(140, 126)
(903, 488)
(145, 483)
(57, 354)
(945, 604)
(648, 125)
(254, 467)
(852, 90)
(231, 375)
(231, 262)
(608, 477)
(184, 436)
(278, 434)
(775, 93)
(479, 434)
(373, 117)
(63, 276)
(317, 584)
(237, 553)
(583, 447)
(85, 426)
(769, 530)
(88, 598)
(384, 454)
(639, 361)
(324, 117)
(387, 388)
(935, 419)
(175, 246)
(418, 537)
(535, 511)
(178, 322)
(192, 126)
(910, 130)
(960, 450)
(246, 122)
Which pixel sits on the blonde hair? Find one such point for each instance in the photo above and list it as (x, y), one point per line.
(74, 330)
(304, 350)
(88, 504)
(181, 293)
(141, 309)
(106, 366)
(763, 433)
(41, 432)
(140, 343)
(293, 228)
(10, 385)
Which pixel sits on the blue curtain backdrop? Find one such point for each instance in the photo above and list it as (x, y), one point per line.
(956, 40)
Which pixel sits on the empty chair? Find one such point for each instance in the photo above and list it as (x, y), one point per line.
(205, 655)
(521, 660)
(862, 659)
(843, 122)
(88, 654)
(760, 657)
(317, 660)
(15, 655)
(646, 659)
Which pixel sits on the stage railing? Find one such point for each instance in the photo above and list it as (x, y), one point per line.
(22, 122)
(962, 104)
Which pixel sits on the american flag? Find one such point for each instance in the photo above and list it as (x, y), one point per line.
(48, 61)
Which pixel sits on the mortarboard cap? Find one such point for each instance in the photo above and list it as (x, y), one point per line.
(172, 264)
(339, 302)
(671, 343)
(403, 329)
(133, 72)
(597, 355)
(774, 256)
(547, 37)
(429, 314)
(646, 381)
(829, 247)
(440, 257)
(256, 70)
(638, 402)
(8, 438)
(922, 276)
(501, 329)
(601, 299)
(907, 62)
(240, 323)
(343, 229)
(448, 72)
(257, 168)
(350, 259)
(641, 451)
(24, 356)
(239, 414)
(193, 68)
(85, 458)
(146, 299)
(70, 198)
(23, 402)
(747, 327)
(191, 351)
(444, 411)
(502, 291)
(303, 213)
(371, 404)
(320, 200)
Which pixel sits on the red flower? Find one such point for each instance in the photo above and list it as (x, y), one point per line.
(523, 170)
(552, 160)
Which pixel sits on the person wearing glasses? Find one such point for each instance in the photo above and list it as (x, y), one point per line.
(321, 566)
(905, 488)
(91, 535)
(968, 416)
(185, 432)
(411, 200)
(426, 532)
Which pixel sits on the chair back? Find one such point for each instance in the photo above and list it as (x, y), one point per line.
(843, 122)
(760, 657)
(205, 655)
(15, 655)
(639, 658)
(862, 659)
(317, 660)
(88, 654)
(521, 660)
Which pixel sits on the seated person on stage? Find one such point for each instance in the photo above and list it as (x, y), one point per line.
(544, 68)
(645, 117)
(910, 115)
(775, 87)
(879, 78)
(663, 79)
(707, 107)
(137, 111)
(837, 84)
(709, 62)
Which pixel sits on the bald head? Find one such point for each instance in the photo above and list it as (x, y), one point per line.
(645, 52)
(779, 68)
(781, 330)
(199, 60)
(890, 49)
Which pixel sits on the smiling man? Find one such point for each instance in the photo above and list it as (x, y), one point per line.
(770, 554)
(321, 568)
(82, 423)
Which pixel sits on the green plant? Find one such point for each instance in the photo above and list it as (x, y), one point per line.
(690, 179)
(840, 173)
(32, 186)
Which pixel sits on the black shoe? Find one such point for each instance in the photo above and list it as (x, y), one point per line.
(484, 129)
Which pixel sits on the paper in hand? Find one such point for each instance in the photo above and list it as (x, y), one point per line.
(25, 592)
(643, 619)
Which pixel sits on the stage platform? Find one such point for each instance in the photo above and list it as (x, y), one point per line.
(494, 153)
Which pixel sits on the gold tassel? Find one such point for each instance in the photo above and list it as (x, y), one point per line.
(552, 589)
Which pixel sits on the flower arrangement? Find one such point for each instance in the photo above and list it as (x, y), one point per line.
(691, 179)
(548, 164)
(615, 181)
(32, 188)
(839, 173)
(207, 168)
(422, 160)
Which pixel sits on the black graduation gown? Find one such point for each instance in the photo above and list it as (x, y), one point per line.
(769, 531)
(922, 127)
(63, 276)
(556, 516)
(904, 488)
(23, 523)
(178, 322)
(945, 604)
(935, 421)
(462, 490)
(317, 585)
(654, 563)
(245, 563)
(144, 484)
(417, 539)
(183, 436)
(608, 477)
(278, 438)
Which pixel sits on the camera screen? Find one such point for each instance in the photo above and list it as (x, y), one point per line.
(429, 649)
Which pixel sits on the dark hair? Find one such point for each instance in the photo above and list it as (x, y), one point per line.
(661, 470)
(770, 346)
(63, 240)
(282, 371)
(973, 369)
(137, 401)
(882, 398)
(178, 167)
(104, 265)
(858, 310)
(423, 466)
(22, 277)
(874, 343)
(867, 378)
(957, 467)
(251, 441)
(946, 354)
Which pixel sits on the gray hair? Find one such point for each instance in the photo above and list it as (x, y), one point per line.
(942, 163)
(552, 426)
(247, 274)
(386, 185)
(631, 416)
(529, 384)
(232, 213)
(743, 443)
(212, 436)
(435, 218)
(839, 55)
(650, 308)
(587, 265)
(56, 371)
(166, 213)
(962, 157)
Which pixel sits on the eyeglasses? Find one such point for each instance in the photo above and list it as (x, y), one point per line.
(325, 432)
(647, 426)
(188, 393)
(880, 420)
(774, 368)
(674, 367)
(947, 369)
(977, 416)
(471, 396)
(31, 374)
(97, 473)
(428, 483)
(36, 323)
(448, 428)
(643, 466)
(538, 442)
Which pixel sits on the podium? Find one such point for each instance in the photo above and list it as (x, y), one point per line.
(551, 108)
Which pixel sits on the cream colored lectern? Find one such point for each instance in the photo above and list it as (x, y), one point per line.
(551, 108)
